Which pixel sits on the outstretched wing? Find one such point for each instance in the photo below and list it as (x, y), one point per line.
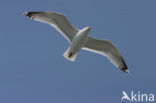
(107, 49)
(58, 21)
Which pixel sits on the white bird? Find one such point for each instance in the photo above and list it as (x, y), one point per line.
(79, 39)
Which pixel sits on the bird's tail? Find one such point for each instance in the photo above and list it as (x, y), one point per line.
(69, 55)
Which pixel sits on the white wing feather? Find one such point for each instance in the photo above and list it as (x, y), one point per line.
(57, 20)
(106, 48)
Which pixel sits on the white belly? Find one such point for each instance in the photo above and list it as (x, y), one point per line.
(79, 40)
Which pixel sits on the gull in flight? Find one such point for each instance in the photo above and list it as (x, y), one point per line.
(79, 39)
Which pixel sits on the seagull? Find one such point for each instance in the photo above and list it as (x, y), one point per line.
(79, 39)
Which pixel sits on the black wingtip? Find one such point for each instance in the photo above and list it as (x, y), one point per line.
(70, 54)
(30, 14)
(124, 68)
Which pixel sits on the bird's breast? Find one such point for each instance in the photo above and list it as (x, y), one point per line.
(79, 39)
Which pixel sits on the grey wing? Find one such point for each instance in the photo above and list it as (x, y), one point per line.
(57, 20)
(106, 48)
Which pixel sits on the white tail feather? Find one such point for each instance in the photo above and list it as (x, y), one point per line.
(67, 53)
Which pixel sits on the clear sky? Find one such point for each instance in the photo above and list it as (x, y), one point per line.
(33, 70)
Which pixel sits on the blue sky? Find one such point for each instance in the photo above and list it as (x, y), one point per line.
(33, 70)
